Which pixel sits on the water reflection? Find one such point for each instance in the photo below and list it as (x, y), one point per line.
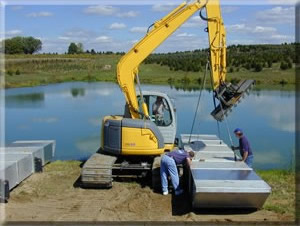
(71, 113)
(30, 100)
(76, 92)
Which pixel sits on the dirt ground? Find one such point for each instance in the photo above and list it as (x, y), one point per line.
(55, 195)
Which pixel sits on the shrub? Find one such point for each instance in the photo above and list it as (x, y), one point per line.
(18, 72)
(258, 67)
(10, 72)
(235, 80)
(283, 82)
(283, 66)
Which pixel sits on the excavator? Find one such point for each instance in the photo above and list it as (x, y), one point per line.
(134, 142)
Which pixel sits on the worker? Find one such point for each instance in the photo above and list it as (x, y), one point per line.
(244, 147)
(168, 166)
(158, 108)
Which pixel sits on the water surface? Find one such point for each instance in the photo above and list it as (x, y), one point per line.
(71, 114)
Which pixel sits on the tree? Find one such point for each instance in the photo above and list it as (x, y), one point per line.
(14, 45)
(31, 45)
(27, 45)
(93, 52)
(75, 48)
(79, 47)
(283, 66)
(258, 67)
(72, 48)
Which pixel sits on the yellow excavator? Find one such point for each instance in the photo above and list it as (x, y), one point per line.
(134, 141)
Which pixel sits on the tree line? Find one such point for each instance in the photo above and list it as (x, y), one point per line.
(251, 57)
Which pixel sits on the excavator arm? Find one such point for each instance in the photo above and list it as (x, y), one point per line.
(127, 69)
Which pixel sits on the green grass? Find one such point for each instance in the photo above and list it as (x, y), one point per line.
(282, 198)
(24, 70)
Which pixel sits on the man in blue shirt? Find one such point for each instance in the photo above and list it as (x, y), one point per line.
(168, 167)
(244, 147)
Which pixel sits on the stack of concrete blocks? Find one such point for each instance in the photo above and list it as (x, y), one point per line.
(216, 180)
(19, 159)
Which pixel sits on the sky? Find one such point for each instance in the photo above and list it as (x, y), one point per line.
(118, 25)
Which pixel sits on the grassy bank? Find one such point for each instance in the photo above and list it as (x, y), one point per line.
(22, 71)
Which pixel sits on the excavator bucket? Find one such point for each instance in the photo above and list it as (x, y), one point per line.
(229, 96)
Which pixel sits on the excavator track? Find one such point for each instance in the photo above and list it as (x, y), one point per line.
(97, 171)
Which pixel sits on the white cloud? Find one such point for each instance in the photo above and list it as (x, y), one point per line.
(104, 10)
(282, 2)
(163, 8)
(260, 34)
(117, 26)
(63, 38)
(101, 10)
(40, 14)
(277, 15)
(194, 21)
(139, 29)
(103, 38)
(13, 32)
(260, 29)
(185, 35)
(128, 14)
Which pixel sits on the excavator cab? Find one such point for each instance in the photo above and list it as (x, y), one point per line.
(162, 113)
(229, 95)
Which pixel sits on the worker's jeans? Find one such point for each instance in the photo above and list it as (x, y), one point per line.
(249, 161)
(168, 167)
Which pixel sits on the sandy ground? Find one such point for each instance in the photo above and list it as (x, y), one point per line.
(55, 195)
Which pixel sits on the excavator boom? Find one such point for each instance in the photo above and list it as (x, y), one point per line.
(127, 69)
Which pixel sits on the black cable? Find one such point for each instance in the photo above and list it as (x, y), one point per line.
(198, 103)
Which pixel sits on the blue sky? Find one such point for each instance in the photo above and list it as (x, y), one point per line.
(117, 27)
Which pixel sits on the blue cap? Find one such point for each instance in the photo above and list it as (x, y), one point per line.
(238, 130)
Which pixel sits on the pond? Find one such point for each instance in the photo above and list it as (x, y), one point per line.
(71, 114)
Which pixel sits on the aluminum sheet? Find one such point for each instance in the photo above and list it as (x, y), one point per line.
(220, 165)
(24, 164)
(9, 171)
(217, 180)
(195, 137)
(47, 145)
(34, 152)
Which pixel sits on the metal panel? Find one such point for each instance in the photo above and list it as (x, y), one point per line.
(24, 164)
(195, 137)
(47, 145)
(35, 152)
(220, 165)
(216, 180)
(9, 171)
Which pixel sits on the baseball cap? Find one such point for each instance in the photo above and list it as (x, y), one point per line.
(238, 130)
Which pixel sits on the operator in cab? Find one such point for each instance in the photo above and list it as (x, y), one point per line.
(158, 109)
(168, 166)
(244, 147)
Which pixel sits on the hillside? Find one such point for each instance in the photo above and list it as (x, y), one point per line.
(272, 66)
